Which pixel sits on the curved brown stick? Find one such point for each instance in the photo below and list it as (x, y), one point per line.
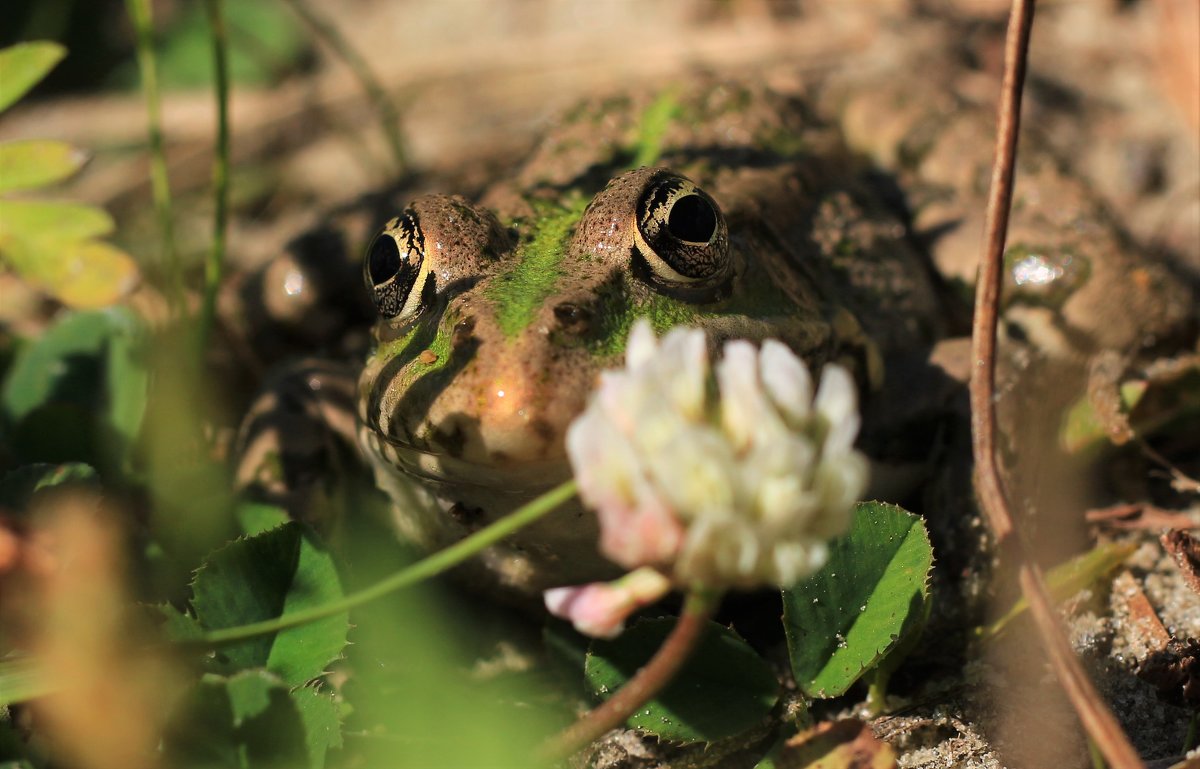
(648, 681)
(1099, 722)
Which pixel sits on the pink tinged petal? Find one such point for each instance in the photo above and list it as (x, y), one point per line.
(645, 534)
(612, 400)
(786, 380)
(600, 609)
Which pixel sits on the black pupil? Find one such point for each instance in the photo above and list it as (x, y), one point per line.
(692, 219)
(383, 261)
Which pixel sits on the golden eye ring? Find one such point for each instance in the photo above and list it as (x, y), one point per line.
(395, 268)
(681, 235)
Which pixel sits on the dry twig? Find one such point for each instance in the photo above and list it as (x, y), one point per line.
(1097, 719)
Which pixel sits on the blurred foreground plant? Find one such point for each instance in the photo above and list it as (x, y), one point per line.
(55, 245)
(67, 610)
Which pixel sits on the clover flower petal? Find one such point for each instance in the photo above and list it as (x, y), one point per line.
(600, 609)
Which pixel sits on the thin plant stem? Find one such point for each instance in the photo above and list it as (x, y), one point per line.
(388, 114)
(215, 263)
(1189, 739)
(1097, 720)
(421, 570)
(139, 12)
(648, 681)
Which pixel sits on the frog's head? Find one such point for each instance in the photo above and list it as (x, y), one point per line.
(490, 337)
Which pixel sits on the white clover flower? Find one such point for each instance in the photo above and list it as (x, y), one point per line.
(741, 485)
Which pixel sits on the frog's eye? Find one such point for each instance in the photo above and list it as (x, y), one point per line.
(681, 235)
(395, 268)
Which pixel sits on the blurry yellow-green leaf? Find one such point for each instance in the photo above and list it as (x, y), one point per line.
(81, 273)
(1084, 428)
(23, 65)
(1068, 578)
(32, 163)
(51, 220)
(845, 744)
(92, 273)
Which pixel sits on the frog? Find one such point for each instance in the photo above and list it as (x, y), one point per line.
(758, 217)
(495, 318)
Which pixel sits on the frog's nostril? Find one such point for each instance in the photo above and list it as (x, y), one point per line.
(463, 331)
(572, 318)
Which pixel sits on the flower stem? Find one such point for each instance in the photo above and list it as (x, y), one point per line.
(139, 12)
(647, 682)
(421, 570)
(214, 264)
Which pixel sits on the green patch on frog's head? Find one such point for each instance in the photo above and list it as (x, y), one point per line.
(652, 128)
(520, 291)
(616, 311)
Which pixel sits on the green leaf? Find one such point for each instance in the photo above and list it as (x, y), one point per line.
(248, 720)
(61, 365)
(77, 393)
(31, 163)
(15, 750)
(23, 65)
(51, 221)
(18, 486)
(264, 576)
(174, 624)
(256, 517)
(322, 722)
(871, 593)
(723, 689)
(566, 649)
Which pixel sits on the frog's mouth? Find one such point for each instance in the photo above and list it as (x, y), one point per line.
(442, 470)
